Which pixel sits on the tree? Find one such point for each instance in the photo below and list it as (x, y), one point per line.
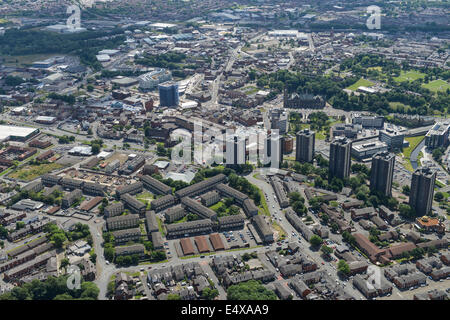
(3, 232)
(90, 290)
(20, 225)
(173, 296)
(58, 239)
(343, 267)
(406, 211)
(326, 250)
(347, 237)
(418, 253)
(315, 241)
(438, 196)
(95, 148)
(250, 290)
(64, 263)
(406, 190)
(210, 294)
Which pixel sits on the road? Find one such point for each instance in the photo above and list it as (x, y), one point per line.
(316, 256)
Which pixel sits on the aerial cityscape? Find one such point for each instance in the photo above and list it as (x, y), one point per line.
(204, 150)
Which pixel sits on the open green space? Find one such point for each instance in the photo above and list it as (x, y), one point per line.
(413, 143)
(23, 60)
(30, 172)
(359, 83)
(249, 90)
(409, 76)
(263, 208)
(437, 85)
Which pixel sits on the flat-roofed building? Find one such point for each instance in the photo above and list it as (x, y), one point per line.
(199, 209)
(392, 138)
(157, 240)
(174, 213)
(369, 121)
(94, 189)
(133, 204)
(71, 184)
(305, 146)
(227, 191)
(138, 249)
(71, 198)
(114, 209)
(162, 203)
(210, 198)
(152, 222)
(280, 192)
(422, 190)
(155, 186)
(131, 189)
(200, 187)
(262, 227)
(231, 222)
(340, 157)
(126, 235)
(123, 222)
(250, 208)
(189, 228)
(368, 148)
(438, 136)
(382, 173)
(50, 180)
(34, 186)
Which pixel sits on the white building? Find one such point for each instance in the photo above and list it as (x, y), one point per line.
(151, 80)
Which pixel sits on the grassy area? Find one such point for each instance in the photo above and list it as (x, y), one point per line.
(359, 83)
(440, 184)
(320, 135)
(250, 90)
(409, 76)
(413, 143)
(160, 226)
(279, 229)
(396, 105)
(264, 209)
(25, 60)
(437, 85)
(420, 156)
(145, 196)
(30, 172)
(216, 206)
(184, 219)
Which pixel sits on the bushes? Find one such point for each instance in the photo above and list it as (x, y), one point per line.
(52, 289)
(250, 290)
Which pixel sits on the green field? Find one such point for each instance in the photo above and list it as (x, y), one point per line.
(30, 172)
(409, 76)
(359, 83)
(395, 106)
(263, 208)
(437, 85)
(413, 143)
(26, 60)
